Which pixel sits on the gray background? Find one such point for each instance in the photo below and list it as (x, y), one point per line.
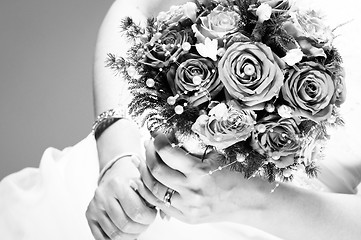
(46, 53)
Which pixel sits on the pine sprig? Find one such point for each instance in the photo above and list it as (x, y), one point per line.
(271, 172)
(130, 28)
(312, 170)
(117, 64)
(248, 20)
(333, 61)
(151, 28)
(252, 163)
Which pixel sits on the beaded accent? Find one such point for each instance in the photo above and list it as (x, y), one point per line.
(106, 119)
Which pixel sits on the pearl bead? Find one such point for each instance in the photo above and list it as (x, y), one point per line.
(240, 158)
(186, 46)
(270, 107)
(131, 71)
(179, 109)
(197, 80)
(261, 128)
(150, 82)
(221, 52)
(287, 173)
(249, 69)
(171, 100)
(157, 35)
(202, 112)
(275, 157)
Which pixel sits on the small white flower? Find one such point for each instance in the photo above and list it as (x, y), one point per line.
(208, 49)
(293, 56)
(264, 12)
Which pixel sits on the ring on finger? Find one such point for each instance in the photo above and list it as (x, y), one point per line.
(168, 196)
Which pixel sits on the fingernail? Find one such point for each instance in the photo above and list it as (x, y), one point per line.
(164, 216)
(161, 214)
(133, 184)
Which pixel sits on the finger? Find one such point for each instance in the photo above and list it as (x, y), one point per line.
(111, 230)
(134, 207)
(174, 157)
(159, 201)
(97, 232)
(171, 210)
(121, 220)
(163, 174)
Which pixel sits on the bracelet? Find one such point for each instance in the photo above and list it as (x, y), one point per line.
(112, 162)
(106, 119)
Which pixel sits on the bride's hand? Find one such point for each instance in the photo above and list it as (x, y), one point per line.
(117, 211)
(199, 196)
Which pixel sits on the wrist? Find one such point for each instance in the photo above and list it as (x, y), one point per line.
(135, 159)
(121, 137)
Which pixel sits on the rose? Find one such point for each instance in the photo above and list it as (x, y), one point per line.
(178, 13)
(310, 91)
(224, 126)
(217, 24)
(277, 139)
(166, 46)
(310, 33)
(194, 77)
(250, 74)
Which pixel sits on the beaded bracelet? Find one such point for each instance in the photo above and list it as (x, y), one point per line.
(106, 119)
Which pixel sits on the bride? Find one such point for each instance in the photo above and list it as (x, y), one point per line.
(57, 201)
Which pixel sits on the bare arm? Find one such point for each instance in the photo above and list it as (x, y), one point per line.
(289, 212)
(123, 135)
(294, 213)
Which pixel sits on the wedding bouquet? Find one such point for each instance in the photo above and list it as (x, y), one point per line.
(255, 81)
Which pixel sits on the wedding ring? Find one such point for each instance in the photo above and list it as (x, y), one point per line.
(167, 197)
